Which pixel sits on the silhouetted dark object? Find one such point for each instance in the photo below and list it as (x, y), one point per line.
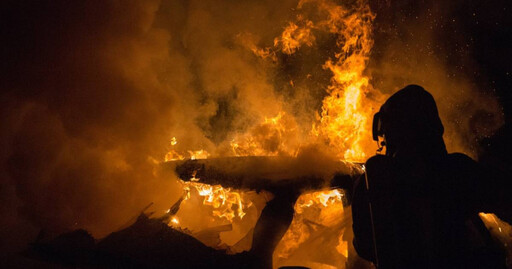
(417, 206)
(272, 225)
(345, 182)
(150, 243)
(146, 242)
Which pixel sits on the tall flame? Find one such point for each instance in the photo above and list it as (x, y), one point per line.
(346, 112)
(344, 122)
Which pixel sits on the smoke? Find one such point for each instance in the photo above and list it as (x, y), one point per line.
(429, 43)
(93, 91)
(86, 114)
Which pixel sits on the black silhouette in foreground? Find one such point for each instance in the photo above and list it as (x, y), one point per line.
(417, 206)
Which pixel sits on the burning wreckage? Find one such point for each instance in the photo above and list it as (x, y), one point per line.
(243, 212)
(237, 212)
(261, 202)
(262, 205)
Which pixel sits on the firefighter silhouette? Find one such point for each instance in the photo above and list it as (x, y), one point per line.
(417, 206)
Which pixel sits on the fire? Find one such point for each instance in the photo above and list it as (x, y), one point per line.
(224, 202)
(198, 154)
(324, 198)
(345, 120)
(500, 230)
(219, 217)
(174, 155)
(318, 223)
(275, 136)
(343, 124)
(293, 36)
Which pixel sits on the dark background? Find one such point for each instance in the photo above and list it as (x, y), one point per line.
(472, 37)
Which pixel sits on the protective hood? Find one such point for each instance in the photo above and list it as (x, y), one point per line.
(410, 123)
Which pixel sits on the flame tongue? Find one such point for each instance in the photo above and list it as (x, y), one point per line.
(344, 122)
(346, 112)
(225, 203)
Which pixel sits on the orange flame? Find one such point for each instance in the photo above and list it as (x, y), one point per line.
(344, 122)
(198, 154)
(274, 136)
(174, 155)
(314, 213)
(293, 37)
(346, 112)
(225, 203)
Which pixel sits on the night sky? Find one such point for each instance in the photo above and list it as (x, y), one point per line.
(473, 38)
